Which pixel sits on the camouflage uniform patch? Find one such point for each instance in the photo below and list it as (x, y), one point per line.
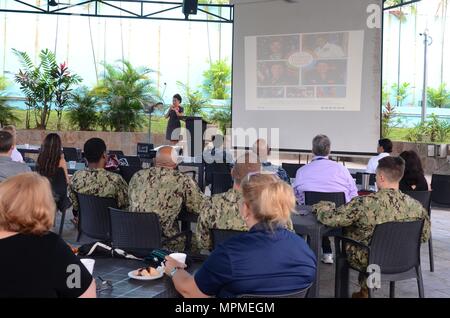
(165, 191)
(101, 183)
(360, 216)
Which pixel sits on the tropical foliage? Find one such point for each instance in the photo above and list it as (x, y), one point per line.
(43, 85)
(124, 91)
(193, 100)
(401, 92)
(433, 130)
(83, 109)
(222, 118)
(438, 97)
(217, 80)
(6, 113)
(64, 83)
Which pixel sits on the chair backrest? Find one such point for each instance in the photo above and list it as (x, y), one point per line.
(312, 197)
(424, 197)
(211, 168)
(94, 219)
(221, 182)
(372, 178)
(291, 168)
(298, 294)
(395, 246)
(116, 152)
(132, 160)
(219, 236)
(440, 185)
(135, 230)
(191, 173)
(127, 172)
(71, 154)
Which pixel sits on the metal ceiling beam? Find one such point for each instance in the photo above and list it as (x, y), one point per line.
(404, 3)
(146, 10)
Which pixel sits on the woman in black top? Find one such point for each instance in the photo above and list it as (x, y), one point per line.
(35, 262)
(413, 178)
(51, 164)
(174, 112)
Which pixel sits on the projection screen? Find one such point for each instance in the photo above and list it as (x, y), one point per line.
(306, 68)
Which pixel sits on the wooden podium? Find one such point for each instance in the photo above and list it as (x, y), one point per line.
(196, 127)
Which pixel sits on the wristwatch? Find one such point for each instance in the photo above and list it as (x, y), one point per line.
(173, 271)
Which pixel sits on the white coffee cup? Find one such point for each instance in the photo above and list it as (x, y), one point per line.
(179, 257)
(89, 264)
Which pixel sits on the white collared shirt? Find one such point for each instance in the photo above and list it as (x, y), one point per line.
(373, 162)
(16, 155)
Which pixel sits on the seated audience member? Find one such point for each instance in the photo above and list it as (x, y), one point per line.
(262, 150)
(35, 262)
(218, 153)
(216, 159)
(362, 214)
(413, 178)
(15, 155)
(165, 191)
(95, 180)
(268, 259)
(221, 211)
(8, 167)
(52, 165)
(384, 149)
(324, 175)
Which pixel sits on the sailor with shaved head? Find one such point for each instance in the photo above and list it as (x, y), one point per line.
(164, 190)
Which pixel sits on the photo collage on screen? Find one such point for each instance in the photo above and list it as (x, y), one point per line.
(312, 66)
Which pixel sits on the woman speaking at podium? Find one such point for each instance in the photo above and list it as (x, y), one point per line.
(174, 112)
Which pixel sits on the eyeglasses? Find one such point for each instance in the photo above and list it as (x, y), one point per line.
(263, 172)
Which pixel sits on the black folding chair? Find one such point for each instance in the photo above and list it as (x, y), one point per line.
(291, 168)
(440, 186)
(394, 248)
(139, 232)
(219, 236)
(71, 154)
(131, 160)
(424, 197)
(359, 177)
(93, 219)
(221, 182)
(215, 167)
(127, 172)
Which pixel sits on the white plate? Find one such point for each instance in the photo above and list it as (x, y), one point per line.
(159, 269)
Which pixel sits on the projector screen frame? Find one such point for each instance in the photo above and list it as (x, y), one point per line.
(308, 151)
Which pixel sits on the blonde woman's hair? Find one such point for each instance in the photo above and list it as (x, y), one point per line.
(26, 204)
(270, 199)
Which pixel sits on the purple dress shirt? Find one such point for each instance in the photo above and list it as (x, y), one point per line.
(324, 175)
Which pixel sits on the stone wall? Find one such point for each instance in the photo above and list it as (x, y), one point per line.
(430, 164)
(125, 141)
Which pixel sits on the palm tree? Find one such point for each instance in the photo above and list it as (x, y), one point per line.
(125, 91)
